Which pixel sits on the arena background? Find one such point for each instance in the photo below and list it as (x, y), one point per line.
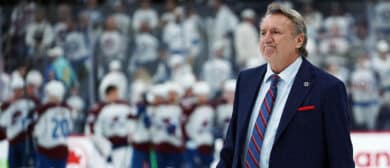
(349, 39)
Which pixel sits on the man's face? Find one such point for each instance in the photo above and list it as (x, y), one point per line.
(31, 90)
(278, 41)
(18, 93)
(113, 95)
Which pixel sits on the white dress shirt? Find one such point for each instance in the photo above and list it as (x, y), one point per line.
(287, 77)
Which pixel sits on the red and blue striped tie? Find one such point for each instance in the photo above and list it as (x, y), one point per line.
(256, 141)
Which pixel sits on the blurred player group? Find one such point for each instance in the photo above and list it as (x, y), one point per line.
(179, 123)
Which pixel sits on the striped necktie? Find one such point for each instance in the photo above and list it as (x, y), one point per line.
(256, 140)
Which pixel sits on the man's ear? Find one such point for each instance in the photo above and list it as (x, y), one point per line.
(300, 38)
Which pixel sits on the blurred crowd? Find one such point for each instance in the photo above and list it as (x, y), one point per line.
(166, 72)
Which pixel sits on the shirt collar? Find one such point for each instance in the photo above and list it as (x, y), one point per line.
(288, 74)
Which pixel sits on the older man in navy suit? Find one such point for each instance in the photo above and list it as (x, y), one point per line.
(287, 113)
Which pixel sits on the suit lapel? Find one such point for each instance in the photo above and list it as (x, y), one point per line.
(302, 85)
(249, 91)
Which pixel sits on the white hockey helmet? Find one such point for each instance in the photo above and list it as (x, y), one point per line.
(17, 83)
(201, 88)
(55, 89)
(35, 78)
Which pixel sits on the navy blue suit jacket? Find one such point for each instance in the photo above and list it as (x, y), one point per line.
(315, 137)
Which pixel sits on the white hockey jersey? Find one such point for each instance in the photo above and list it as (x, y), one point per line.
(142, 133)
(174, 37)
(146, 48)
(224, 114)
(364, 86)
(115, 121)
(52, 129)
(165, 117)
(200, 125)
(75, 46)
(16, 118)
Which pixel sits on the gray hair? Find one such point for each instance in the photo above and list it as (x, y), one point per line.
(296, 19)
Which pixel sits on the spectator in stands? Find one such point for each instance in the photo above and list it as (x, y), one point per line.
(122, 18)
(39, 37)
(163, 70)
(381, 65)
(381, 19)
(112, 44)
(225, 22)
(216, 70)
(22, 15)
(60, 68)
(365, 94)
(313, 19)
(75, 49)
(180, 69)
(64, 16)
(246, 39)
(145, 14)
(383, 120)
(174, 35)
(361, 40)
(94, 14)
(145, 50)
(168, 15)
(334, 44)
(338, 19)
(15, 48)
(192, 25)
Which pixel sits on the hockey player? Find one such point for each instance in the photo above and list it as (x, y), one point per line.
(115, 77)
(52, 128)
(16, 123)
(224, 108)
(114, 121)
(199, 128)
(141, 139)
(166, 128)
